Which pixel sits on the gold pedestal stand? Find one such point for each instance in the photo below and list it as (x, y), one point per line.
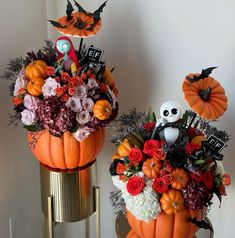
(69, 196)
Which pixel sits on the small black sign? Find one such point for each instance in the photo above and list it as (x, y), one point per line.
(94, 54)
(216, 143)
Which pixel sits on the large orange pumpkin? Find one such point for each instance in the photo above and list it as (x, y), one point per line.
(132, 234)
(65, 152)
(166, 226)
(36, 69)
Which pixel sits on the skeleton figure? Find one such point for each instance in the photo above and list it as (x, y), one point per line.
(170, 112)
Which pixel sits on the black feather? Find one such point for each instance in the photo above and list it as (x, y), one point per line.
(56, 24)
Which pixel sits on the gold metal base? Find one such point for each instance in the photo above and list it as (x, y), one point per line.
(69, 197)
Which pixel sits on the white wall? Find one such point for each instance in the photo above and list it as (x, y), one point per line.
(22, 27)
(152, 44)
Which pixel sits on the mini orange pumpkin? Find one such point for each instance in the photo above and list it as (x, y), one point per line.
(205, 96)
(176, 225)
(180, 178)
(65, 152)
(172, 201)
(36, 69)
(34, 86)
(198, 140)
(151, 167)
(102, 109)
(109, 77)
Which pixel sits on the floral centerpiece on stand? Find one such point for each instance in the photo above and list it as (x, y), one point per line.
(65, 97)
(168, 170)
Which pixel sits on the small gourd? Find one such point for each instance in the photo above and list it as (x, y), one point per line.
(180, 178)
(36, 69)
(151, 168)
(102, 109)
(34, 86)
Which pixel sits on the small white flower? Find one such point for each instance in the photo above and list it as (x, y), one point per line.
(28, 117)
(31, 102)
(82, 133)
(20, 82)
(74, 104)
(81, 91)
(118, 183)
(220, 168)
(49, 87)
(92, 83)
(83, 117)
(87, 104)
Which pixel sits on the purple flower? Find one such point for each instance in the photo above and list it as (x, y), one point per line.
(28, 117)
(88, 104)
(83, 117)
(92, 83)
(82, 133)
(74, 104)
(49, 87)
(81, 91)
(31, 102)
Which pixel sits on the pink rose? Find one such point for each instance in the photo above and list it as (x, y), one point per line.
(74, 104)
(20, 82)
(81, 91)
(87, 104)
(83, 117)
(31, 102)
(92, 83)
(49, 87)
(82, 133)
(28, 117)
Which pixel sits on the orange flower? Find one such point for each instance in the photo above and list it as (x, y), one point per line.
(17, 101)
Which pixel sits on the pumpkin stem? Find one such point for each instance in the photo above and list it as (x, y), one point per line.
(174, 204)
(205, 94)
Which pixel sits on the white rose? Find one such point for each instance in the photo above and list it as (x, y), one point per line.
(92, 83)
(20, 82)
(31, 102)
(49, 87)
(28, 117)
(74, 104)
(82, 133)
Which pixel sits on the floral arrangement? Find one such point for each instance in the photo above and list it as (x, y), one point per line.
(174, 162)
(49, 95)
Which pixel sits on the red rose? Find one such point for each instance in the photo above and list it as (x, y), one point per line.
(75, 80)
(17, 101)
(49, 70)
(59, 91)
(150, 147)
(163, 172)
(120, 168)
(167, 179)
(135, 185)
(208, 179)
(84, 76)
(103, 88)
(71, 91)
(222, 190)
(65, 97)
(197, 176)
(159, 154)
(65, 76)
(22, 91)
(149, 126)
(123, 178)
(160, 186)
(191, 148)
(57, 79)
(226, 179)
(135, 155)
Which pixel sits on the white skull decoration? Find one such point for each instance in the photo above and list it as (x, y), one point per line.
(170, 111)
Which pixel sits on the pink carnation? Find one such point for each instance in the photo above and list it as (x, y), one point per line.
(31, 102)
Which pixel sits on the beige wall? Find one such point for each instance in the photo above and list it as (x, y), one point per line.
(153, 45)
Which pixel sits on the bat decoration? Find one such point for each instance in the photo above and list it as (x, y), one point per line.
(56, 24)
(206, 72)
(202, 224)
(69, 10)
(80, 23)
(80, 8)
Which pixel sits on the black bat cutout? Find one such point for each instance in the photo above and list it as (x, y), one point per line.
(202, 224)
(56, 24)
(80, 9)
(99, 10)
(206, 72)
(69, 10)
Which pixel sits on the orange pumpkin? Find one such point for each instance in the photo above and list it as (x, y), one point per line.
(34, 86)
(132, 234)
(198, 140)
(206, 96)
(124, 148)
(172, 201)
(102, 109)
(151, 167)
(180, 178)
(166, 226)
(65, 152)
(36, 69)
